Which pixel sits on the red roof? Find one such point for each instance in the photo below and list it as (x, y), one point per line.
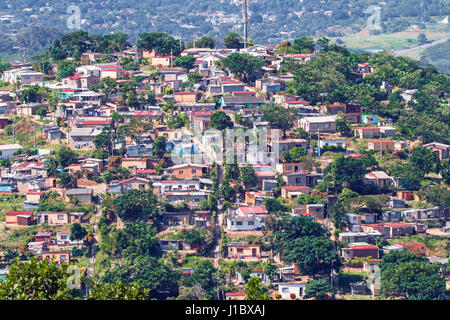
(297, 101)
(294, 188)
(356, 155)
(18, 213)
(398, 224)
(253, 210)
(264, 174)
(96, 122)
(411, 244)
(363, 247)
(235, 294)
(366, 128)
(381, 141)
(77, 76)
(184, 93)
(147, 171)
(335, 105)
(233, 92)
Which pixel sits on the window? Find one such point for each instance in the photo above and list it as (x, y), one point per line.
(285, 290)
(180, 171)
(239, 223)
(194, 171)
(289, 167)
(240, 250)
(60, 217)
(251, 223)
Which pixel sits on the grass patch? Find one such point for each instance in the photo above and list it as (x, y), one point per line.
(10, 202)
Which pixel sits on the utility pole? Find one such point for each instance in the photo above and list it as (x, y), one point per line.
(245, 17)
(318, 140)
(171, 58)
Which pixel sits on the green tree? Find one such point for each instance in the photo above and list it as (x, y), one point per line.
(346, 172)
(51, 165)
(36, 280)
(42, 112)
(425, 160)
(66, 68)
(159, 146)
(161, 42)
(318, 288)
(66, 180)
(77, 232)
(186, 62)
(243, 65)
(205, 42)
(117, 291)
(255, 291)
(247, 177)
(343, 126)
(66, 156)
(138, 205)
(220, 121)
(279, 117)
(233, 41)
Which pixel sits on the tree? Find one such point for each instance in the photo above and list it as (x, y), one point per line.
(77, 232)
(313, 255)
(347, 194)
(318, 288)
(425, 160)
(66, 156)
(117, 291)
(343, 126)
(409, 275)
(422, 38)
(346, 172)
(247, 177)
(160, 279)
(220, 121)
(233, 41)
(186, 62)
(205, 42)
(42, 112)
(138, 205)
(161, 42)
(204, 275)
(243, 65)
(255, 291)
(279, 117)
(36, 280)
(159, 146)
(66, 180)
(51, 165)
(445, 171)
(274, 205)
(66, 68)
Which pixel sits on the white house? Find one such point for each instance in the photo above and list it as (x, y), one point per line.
(8, 150)
(297, 288)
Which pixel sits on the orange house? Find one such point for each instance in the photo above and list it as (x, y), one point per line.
(19, 217)
(59, 256)
(181, 97)
(187, 171)
(244, 250)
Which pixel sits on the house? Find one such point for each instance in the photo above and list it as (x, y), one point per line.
(166, 245)
(442, 149)
(81, 194)
(81, 138)
(398, 229)
(355, 218)
(387, 131)
(315, 210)
(369, 119)
(8, 150)
(21, 218)
(63, 239)
(23, 75)
(58, 256)
(236, 102)
(414, 247)
(58, 218)
(164, 61)
(136, 163)
(289, 290)
(29, 109)
(134, 183)
(181, 97)
(235, 296)
(381, 145)
(360, 251)
(192, 198)
(187, 171)
(287, 144)
(292, 192)
(367, 132)
(246, 218)
(178, 218)
(243, 250)
(319, 124)
(378, 178)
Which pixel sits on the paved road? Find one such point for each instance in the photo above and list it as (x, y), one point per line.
(423, 46)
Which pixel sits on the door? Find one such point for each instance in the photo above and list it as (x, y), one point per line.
(253, 252)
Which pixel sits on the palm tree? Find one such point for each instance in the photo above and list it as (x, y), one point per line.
(51, 165)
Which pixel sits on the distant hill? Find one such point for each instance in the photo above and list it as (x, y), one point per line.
(271, 21)
(439, 56)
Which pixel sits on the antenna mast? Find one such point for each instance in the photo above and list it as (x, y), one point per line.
(245, 16)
